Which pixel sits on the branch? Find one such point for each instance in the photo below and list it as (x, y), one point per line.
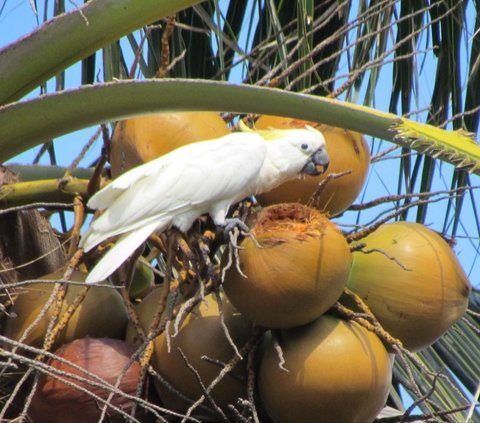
(26, 124)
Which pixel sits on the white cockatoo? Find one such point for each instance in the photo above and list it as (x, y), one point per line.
(195, 179)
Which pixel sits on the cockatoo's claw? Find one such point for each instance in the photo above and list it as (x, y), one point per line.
(231, 224)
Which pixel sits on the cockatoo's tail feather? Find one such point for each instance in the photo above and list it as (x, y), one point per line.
(123, 248)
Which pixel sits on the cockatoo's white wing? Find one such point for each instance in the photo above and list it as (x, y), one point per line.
(196, 176)
(205, 177)
(103, 198)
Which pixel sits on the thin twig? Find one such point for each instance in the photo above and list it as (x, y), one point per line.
(165, 58)
(206, 393)
(278, 349)
(38, 205)
(384, 253)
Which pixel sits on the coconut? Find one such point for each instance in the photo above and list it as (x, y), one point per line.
(58, 402)
(101, 314)
(348, 151)
(413, 282)
(145, 310)
(143, 280)
(144, 138)
(298, 273)
(200, 335)
(337, 371)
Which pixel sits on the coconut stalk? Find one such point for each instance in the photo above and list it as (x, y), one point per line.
(42, 191)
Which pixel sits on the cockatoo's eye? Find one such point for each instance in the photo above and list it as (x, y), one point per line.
(305, 146)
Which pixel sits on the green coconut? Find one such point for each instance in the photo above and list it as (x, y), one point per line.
(348, 151)
(143, 280)
(143, 138)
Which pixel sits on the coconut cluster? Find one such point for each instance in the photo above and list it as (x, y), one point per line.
(288, 280)
(291, 271)
(310, 364)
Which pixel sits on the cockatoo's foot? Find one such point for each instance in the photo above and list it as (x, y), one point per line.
(232, 230)
(235, 227)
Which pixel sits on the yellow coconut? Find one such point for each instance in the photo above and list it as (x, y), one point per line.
(348, 150)
(200, 335)
(144, 138)
(298, 273)
(413, 283)
(337, 372)
(101, 314)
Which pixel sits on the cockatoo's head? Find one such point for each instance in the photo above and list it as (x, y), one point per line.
(308, 145)
(297, 150)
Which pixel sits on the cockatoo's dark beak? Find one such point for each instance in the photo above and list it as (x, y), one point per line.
(318, 163)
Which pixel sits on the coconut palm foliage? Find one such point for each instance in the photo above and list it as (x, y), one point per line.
(409, 63)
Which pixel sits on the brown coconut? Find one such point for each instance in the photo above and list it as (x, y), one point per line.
(58, 402)
(337, 371)
(144, 138)
(298, 273)
(413, 283)
(200, 335)
(348, 150)
(101, 314)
